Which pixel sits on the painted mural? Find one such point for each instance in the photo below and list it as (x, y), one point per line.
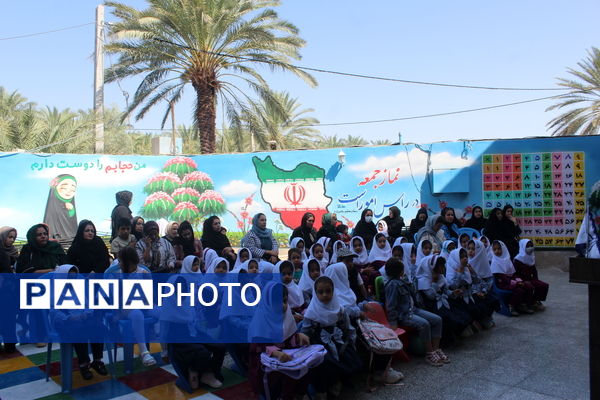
(546, 180)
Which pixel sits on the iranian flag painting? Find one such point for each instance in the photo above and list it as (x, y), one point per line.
(293, 193)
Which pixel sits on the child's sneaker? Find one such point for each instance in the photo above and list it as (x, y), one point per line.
(513, 312)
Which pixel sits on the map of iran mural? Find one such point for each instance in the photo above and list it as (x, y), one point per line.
(293, 193)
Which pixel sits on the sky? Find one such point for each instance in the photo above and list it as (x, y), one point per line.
(502, 44)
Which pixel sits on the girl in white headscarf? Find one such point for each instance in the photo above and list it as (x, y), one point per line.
(326, 243)
(298, 243)
(525, 269)
(447, 247)
(436, 296)
(347, 298)
(424, 249)
(317, 252)
(311, 270)
(336, 247)
(242, 256)
(327, 323)
(272, 331)
(483, 280)
(380, 251)
(357, 244)
(295, 297)
(521, 300)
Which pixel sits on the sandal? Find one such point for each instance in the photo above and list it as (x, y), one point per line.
(443, 356)
(434, 359)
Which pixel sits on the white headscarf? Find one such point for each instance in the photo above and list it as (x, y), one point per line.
(65, 268)
(186, 266)
(363, 257)
(294, 245)
(502, 264)
(334, 257)
(445, 253)
(263, 324)
(209, 255)
(424, 271)
(324, 241)
(488, 248)
(339, 275)
(324, 262)
(306, 283)
(480, 262)
(321, 313)
(453, 265)
(215, 262)
(295, 296)
(527, 259)
(420, 253)
(382, 227)
(407, 247)
(378, 254)
(265, 267)
(238, 262)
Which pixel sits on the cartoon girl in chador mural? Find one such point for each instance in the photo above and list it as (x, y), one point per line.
(61, 214)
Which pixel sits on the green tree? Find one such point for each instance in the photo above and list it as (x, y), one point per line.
(380, 142)
(585, 93)
(330, 142)
(214, 45)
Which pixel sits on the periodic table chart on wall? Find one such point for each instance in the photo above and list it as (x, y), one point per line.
(546, 190)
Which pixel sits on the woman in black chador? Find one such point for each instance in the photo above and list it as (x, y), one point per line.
(61, 214)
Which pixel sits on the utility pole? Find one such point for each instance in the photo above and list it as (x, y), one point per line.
(173, 133)
(99, 81)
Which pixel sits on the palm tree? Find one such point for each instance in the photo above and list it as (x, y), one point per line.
(282, 122)
(380, 142)
(355, 141)
(213, 44)
(584, 91)
(330, 142)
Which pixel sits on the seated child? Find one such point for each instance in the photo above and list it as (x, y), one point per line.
(311, 270)
(261, 330)
(400, 305)
(342, 231)
(295, 296)
(327, 323)
(295, 257)
(525, 268)
(521, 300)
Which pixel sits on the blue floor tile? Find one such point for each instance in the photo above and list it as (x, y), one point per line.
(20, 376)
(102, 391)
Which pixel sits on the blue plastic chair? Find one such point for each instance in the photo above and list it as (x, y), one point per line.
(125, 328)
(469, 231)
(503, 296)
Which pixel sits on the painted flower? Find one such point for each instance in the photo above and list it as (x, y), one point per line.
(211, 202)
(240, 225)
(185, 211)
(158, 205)
(249, 200)
(198, 180)
(443, 204)
(186, 194)
(468, 209)
(424, 205)
(163, 182)
(244, 214)
(180, 166)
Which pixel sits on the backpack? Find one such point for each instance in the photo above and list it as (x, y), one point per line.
(378, 338)
(303, 359)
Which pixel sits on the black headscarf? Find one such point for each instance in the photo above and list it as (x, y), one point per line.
(476, 223)
(61, 213)
(395, 223)
(138, 235)
(211, 239)
(366, 230)
(121, 210)
(187, 244)
(88, 255)
(309, 235)
(38, 257)
(416, 224)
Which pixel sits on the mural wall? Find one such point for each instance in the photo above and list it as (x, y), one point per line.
(545, 179)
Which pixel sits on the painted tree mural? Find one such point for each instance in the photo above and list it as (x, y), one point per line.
(180, 192)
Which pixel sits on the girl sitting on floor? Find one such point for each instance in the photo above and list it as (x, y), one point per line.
(295, 296)
(311, 270)
(317, 252)
(295, 257)
(525, 268)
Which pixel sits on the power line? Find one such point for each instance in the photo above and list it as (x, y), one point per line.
(364, 76)
(46, 32)
(438, 114)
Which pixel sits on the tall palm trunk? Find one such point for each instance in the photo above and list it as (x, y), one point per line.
(205, 114)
